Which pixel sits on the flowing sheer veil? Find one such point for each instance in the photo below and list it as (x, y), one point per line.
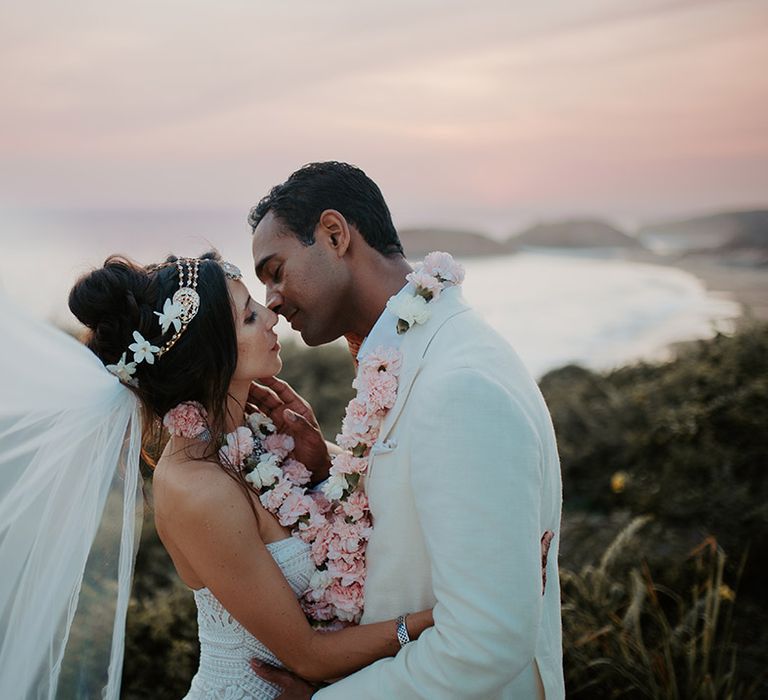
(70, 438)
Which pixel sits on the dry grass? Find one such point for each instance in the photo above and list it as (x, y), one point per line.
(625, 636)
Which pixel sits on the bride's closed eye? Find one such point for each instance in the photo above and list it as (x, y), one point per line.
(251, 317)
(250, 314)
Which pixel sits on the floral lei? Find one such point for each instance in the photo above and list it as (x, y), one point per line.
(334, 521)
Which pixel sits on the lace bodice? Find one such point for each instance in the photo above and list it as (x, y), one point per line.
(226, 647)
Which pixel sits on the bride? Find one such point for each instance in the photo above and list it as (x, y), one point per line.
(186, 340)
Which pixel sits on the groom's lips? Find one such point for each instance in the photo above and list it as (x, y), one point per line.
(291, 319)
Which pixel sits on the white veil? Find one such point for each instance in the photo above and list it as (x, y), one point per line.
(70, 437)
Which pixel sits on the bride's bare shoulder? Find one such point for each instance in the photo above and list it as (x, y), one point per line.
(183, 485)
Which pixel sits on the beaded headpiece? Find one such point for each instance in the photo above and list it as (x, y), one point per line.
(178, 311)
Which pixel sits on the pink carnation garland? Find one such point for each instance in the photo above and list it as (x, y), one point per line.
(340, 556)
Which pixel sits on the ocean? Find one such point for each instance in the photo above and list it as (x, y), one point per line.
(555, 307)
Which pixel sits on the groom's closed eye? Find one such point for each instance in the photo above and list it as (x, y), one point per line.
(262, 265)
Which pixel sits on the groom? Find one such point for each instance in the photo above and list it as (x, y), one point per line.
(464, 480)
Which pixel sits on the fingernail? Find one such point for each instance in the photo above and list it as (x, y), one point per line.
(290, 415)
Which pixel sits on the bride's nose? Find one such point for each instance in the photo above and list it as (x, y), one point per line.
(270, 318)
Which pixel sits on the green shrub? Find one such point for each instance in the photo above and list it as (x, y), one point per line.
(161, 651)
(685, 441)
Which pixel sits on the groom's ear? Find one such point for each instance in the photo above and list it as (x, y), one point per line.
(333, 230)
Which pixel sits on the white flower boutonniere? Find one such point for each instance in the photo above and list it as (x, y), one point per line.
(409, 311)
(438, 271)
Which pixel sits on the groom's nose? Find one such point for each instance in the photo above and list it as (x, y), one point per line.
(271, 319)
(274, 301)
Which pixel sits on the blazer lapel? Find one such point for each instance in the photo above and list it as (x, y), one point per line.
(414, 347)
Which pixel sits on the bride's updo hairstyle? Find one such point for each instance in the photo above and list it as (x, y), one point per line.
(122, 297)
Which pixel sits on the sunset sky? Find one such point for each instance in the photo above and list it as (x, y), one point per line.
(468, 114)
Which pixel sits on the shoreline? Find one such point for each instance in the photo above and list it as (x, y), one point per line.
(742, 281)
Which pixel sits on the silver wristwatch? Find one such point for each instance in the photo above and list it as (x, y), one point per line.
(402, 631)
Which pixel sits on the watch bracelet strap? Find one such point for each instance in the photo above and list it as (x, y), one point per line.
(402, 631)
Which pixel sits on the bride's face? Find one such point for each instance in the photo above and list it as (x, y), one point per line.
(258, 352)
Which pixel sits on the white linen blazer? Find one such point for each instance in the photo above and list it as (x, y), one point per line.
(462, 483)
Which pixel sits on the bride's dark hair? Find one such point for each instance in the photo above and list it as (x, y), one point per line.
(122, 296)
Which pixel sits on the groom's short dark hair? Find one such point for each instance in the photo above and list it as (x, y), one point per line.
(307, 193)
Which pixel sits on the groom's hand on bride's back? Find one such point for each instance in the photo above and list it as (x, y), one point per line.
(291, 686)
(292, 415)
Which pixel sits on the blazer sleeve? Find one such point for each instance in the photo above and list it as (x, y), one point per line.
(476, 463)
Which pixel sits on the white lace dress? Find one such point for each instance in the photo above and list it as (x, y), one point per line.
(226, 647)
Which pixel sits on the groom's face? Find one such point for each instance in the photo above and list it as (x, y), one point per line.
(304, 283)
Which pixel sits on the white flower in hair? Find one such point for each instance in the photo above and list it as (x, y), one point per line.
(143, 349)
(170, 315)
(123, 370)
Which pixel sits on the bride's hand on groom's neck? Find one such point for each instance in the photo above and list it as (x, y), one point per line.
(292, 415)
